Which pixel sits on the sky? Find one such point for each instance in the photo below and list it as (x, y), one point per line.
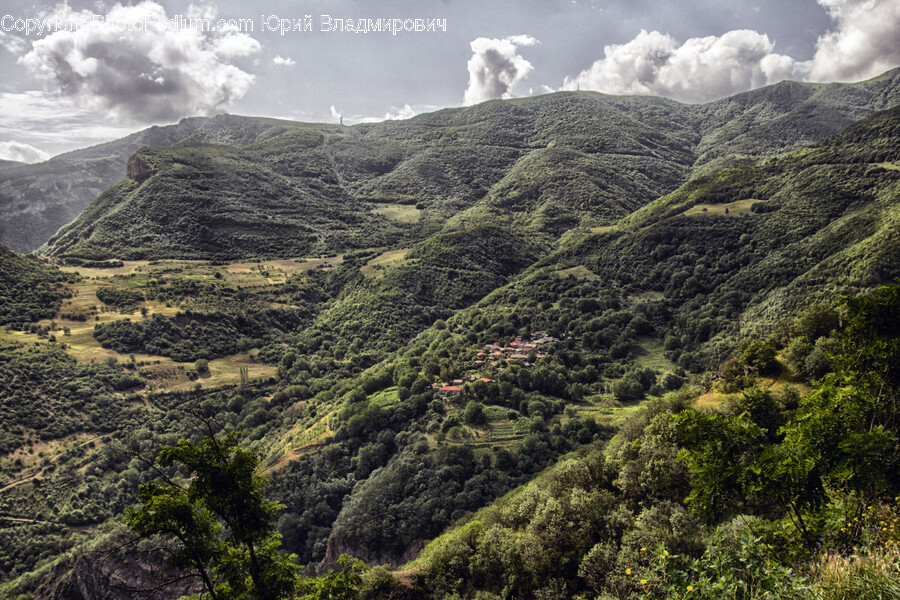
(79, 73)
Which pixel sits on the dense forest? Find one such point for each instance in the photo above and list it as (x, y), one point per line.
(544, 349)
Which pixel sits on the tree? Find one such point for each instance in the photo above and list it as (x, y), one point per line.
(627, 389)
(841, 440)
(760, 354)
(207, 503)
(474, 414)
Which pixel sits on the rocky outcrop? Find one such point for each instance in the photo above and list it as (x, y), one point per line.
(138, 169)
(123, 576)
(335, 549)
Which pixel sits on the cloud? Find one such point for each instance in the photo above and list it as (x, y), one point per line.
(56, 123)
(153, 74)
(283, 61)
(863, 44)
(496, 67)
(12, 43)
(698, 70)
(394, 113)
(22, 152)
(523, 40)
(403, 113)
(335, 114)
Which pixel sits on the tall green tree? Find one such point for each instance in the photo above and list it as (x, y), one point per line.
(216, 518)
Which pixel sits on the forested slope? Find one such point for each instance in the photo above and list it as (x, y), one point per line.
(546, 164)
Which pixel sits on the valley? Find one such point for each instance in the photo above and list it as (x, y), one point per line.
(568, 346)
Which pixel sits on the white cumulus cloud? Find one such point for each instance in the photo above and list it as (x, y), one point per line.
(146, 74)
(283, 61)
(496, 67)
(698, 70)
(18, 151)
(862, 44)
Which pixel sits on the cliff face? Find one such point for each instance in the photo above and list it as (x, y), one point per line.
(138, 169)
(123, 576)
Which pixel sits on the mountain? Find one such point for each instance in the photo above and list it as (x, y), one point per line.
(547, 164)
(7, 164)
(731, 257)
(484, 319)
(38, 199)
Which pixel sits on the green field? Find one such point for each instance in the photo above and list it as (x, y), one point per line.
(405, 213)
(375, 266)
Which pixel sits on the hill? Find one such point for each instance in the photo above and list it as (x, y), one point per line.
(38, 199)
(29, 289)
(545, 164)
(680, 294)
(393, 391)
(6, 164)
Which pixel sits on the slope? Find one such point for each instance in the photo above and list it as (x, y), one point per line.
(38, 199)
(686, 289)
(547, 164)
(29, 289)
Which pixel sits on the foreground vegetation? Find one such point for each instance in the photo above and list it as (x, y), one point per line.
(771, 495)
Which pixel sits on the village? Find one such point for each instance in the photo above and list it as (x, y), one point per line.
(493, 357)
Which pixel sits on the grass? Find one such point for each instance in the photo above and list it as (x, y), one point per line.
(129, 266)
(374, 266)
(287, 266)
(384, 398)
(227, 371)
(870, 576)
(247, 273)
(295, 443)
(606, 410)
(580, 272)
(714, 397)
(734, 209)
(41, 453)
(653, 356)
(80, 342)
(405, 213)
(170, 375)
(604, 228)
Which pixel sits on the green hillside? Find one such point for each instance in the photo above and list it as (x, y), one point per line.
(528, 349)
(29, 289)
(38, 199)
(547, 164)
(644, 309)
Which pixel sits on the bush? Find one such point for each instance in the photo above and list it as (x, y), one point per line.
(628, 389)
(760, 354)
(474, 414)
